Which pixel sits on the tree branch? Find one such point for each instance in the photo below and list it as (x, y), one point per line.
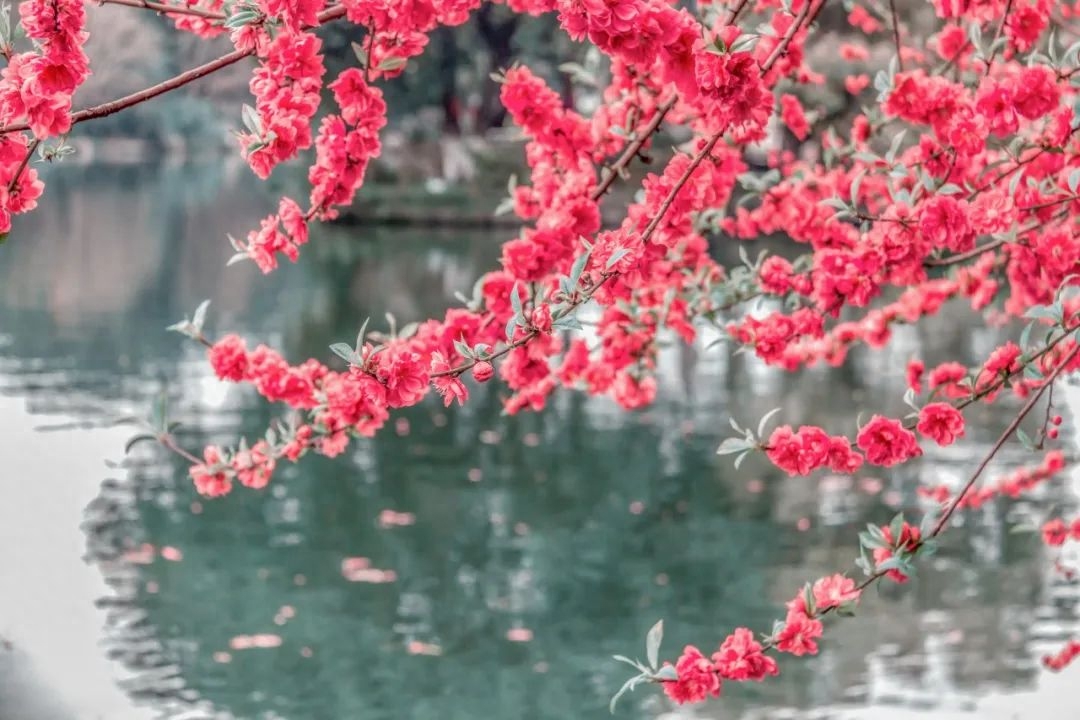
(896, 35)
(115, 106)
(164, 8)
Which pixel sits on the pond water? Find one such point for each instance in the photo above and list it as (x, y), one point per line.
(515, 555)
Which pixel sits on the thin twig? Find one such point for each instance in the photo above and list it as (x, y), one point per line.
(1028, 406)
(115, 106)
(733, 12)
(632, 150)
(31, 148)
(896, 35)
(165, 8)
(997, 34)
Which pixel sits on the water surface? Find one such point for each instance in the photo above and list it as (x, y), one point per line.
(539, 545)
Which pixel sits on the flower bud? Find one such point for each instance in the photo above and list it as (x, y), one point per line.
(482, 371)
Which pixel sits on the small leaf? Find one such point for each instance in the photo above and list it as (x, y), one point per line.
(160, 417)
(389, 64)
(137, 439)
(579, 267)
(360, 335)
(764, 421)
(627, 687)
(652, 643)
(1025, 336)
(251, 120)
(633, 663)
(666, 673)
(896, 527)
(740, 458)
(361, 53)
(510, 325)
(200, 315)
(616, 256)
(1074, 180)
(568, 322)
(730, 446)
(894, 146)
(343, 351)
(515, 300)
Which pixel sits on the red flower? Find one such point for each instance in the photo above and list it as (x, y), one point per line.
(697, 678)
(449, 386)
(1055, 532)
(228, 357)
(941, 422)
(834, 591)
(405, 377)
(541, 318)
(799, 634)
(740, 658)
(886, 442)
(944, 223)
(211, 477)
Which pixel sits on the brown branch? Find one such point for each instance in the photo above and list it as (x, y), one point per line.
(165, 8)
(779, 51)
(632, 150)
(169, 443)
(733, 12)
(997, 34)
(666, 205)
(115, 106)
(896, 36)
(967, 255)
(22, 166)
(1028, 406)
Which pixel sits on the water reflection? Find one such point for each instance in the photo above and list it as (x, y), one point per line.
(541, 544)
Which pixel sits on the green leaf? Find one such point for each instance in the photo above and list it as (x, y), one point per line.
(389, 64)
(765, 420)
(632, 663)
(360, 335)
(200, 315)
(866, 560)
(730, 446)
(137, 439)
(1025, 336)
(568, 322)
(929, 521)
(652, 643)
(616, 256)
(579, 267)
(160, 417)
(510, 325)
(1041, 312)
(894, 146)
(361, 53)
(627, 687)
(896, 527)
(463, 350)
(343, 351)
(515, 300)
(251, 120)
(667, 672)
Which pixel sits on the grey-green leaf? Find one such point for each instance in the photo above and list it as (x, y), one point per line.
(652, 643)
